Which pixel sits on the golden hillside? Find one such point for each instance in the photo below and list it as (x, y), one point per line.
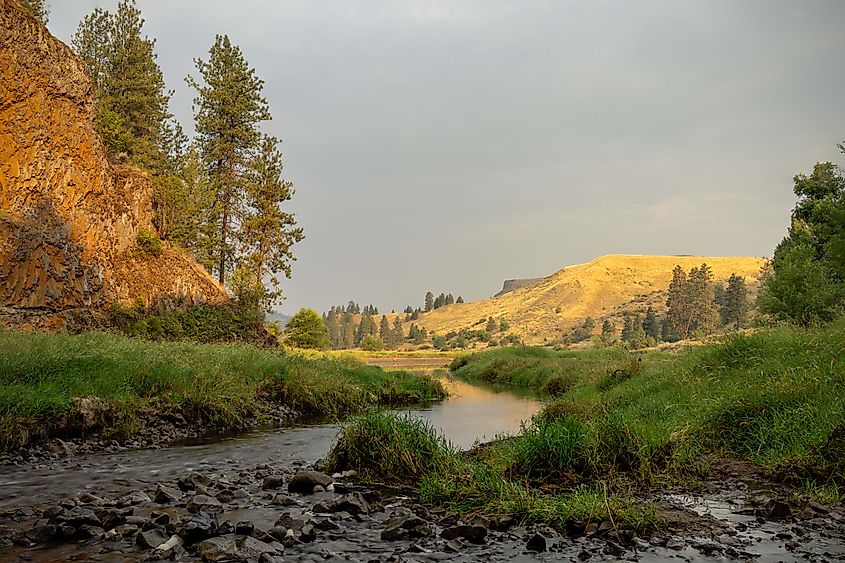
(552, 305)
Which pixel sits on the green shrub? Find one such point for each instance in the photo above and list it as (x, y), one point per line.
(550, 446)
(372, 343)
(148, 243)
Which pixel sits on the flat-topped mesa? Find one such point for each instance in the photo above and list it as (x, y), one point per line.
(69, 220)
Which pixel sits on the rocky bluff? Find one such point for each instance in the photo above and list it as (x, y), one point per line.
(69, 219)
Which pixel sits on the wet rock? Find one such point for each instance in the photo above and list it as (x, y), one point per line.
(326, 525)
(204, 503)
(234, 548)
(308, 534)
(402, 527)
(278, 533)
(273, 482)
(283, 500)
(289, 522)
(78, 516)
(353, 503)
(88, 531)
(304, 481)
(171, 549)
(537, 542)
(43, 531)
(777, 510)
(583, 555)
(225, 496)
(614, 549)
(240, 493)
(165, 494)
(244, 528)
(504, 523)
(675, 544)
(151, 538)
(52, 511)
(473, 534)
(198, 527)
(454, 545)
(88, 498)
(224, 529)
(133, 498)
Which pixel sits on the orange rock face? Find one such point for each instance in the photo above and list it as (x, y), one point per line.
(69, 220)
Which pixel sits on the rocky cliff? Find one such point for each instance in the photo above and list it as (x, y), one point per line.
(69, 220)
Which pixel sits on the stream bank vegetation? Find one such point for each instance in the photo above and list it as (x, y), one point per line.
(619, 426)
(59, 385)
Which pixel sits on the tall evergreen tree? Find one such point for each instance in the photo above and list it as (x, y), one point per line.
(450, 300)
(385, 333)
(676, 306)
(734, 311)
(608, 331)
(459, 299)
(429, 301)
(398, 335)
(650, 324)
(267, 233)
(227, 109)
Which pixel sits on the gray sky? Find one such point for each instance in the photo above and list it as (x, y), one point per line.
(448, 145)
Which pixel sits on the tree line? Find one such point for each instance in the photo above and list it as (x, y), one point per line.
(696, 306)
(220, 195)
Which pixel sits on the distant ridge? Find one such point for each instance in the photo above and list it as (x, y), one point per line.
(546, 308)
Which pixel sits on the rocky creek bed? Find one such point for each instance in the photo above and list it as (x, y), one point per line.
(292, 512)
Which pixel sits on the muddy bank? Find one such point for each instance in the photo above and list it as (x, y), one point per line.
(93, 426)
(293, 512)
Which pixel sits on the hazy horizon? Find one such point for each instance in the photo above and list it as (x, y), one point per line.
(452, 145)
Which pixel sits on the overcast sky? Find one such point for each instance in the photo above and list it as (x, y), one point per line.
(449, 145)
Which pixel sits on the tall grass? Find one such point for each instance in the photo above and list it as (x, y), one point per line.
(41, 375)
(390, 448)
(775, 398)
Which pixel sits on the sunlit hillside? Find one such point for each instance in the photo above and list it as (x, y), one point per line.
(549, 307)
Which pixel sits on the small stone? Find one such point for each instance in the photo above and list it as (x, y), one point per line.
(150, 539)
(225, 496)
(536, 542)
(303, 482)
(283, 500)
(675, 544)
(244, 528)
(308, 534)
(473, 534)
(204, 503)
(403, 527)
(273, 482)
(165, 494)
(133, 498)
(198, 527)
(778, 510)
(454, 545)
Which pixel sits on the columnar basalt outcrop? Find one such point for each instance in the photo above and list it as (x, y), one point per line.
(69, 219)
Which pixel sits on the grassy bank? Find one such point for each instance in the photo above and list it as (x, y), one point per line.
(617, 422)
(388, 448)
(43, 376)
(775, 398)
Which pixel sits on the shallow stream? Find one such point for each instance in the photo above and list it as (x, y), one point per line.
(471, 413)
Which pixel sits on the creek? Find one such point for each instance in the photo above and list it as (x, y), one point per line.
(471, 413)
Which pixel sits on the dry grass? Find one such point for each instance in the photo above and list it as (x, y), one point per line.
(595, 289)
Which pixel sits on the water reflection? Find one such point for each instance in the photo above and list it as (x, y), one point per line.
(474, 413)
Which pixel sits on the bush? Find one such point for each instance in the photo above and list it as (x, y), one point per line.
(559, 384)
(372, 343)
(386, 447)
(148, 243)
(551, 446)
(306, 329)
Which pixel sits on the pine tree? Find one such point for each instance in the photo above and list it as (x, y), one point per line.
(450, 300)
(492, 325)
(429, 301)
(398, 335)
(459, 299)
(38, 8)
(227, 109)
(650, 324)
(676, 306)
(267, 233)
(347, 331)
(703, 314)
(735, 309)
(384, 332)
